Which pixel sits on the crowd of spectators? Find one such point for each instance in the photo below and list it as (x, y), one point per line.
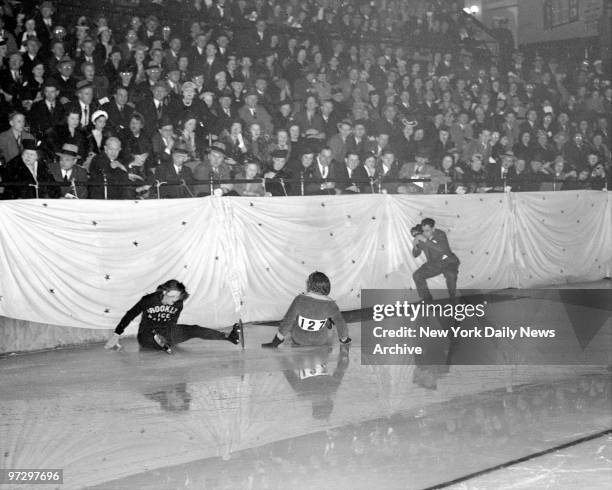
(289, 97)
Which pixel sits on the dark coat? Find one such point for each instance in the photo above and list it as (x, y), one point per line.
(41, 119)
(16, 171)
(173, 188)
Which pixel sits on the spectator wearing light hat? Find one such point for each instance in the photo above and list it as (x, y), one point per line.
(98, 132)
(66, 170)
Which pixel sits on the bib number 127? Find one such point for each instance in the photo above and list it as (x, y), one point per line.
(310, 325)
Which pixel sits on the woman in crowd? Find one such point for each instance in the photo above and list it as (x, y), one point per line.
(98, 132)
(451, 177)
(252, 170)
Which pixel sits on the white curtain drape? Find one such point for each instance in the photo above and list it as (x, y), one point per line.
(83, 264)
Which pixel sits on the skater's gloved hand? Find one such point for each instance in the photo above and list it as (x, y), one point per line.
(112, 342)
(346, 340)
(276, 341)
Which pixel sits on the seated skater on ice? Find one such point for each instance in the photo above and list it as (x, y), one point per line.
(440, 258)
(158, 329)
(311, 315)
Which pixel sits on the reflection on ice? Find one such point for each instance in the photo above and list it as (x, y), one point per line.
(299, 418)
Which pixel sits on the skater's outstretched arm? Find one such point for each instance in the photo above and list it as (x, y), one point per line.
(341, 326)
(132, 313)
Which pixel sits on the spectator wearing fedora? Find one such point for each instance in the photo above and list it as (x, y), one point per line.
(278, 170)
(66, 171)
(28, 170)
(174, 177)
(45, 22)
(213, 168)
(153, 109)
(65, 79)
(84, 105)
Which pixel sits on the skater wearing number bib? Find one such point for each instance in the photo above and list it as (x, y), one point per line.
(311, 316)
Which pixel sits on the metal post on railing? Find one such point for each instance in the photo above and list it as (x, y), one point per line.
(210, 183)
(263, 182)
(158, 184)
(302, 183)
(35, 188)
(105, 187)
(372, 184)
(380, 185)
(184, 184)
(282, 183)
(74, 188)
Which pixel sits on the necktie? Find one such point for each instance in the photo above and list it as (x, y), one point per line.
(254, 113)
(85, 116)
(19, 143)
(65, 176)
(51, 108)
(159, 110)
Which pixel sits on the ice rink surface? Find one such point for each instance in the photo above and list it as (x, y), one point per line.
(215, 417)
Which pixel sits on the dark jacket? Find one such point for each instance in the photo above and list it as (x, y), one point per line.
(116, 180)
(156, 317)
(174, 188)
(436, 248)
(16, 171)
(41, 119)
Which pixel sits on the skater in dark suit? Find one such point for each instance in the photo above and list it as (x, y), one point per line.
(440, 258)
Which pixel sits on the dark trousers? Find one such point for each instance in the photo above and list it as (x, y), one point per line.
(449, 268)
(180, 333)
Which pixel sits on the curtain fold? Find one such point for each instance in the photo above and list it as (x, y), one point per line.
(85, 264)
